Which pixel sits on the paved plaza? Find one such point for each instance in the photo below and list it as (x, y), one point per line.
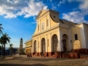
(24, 61)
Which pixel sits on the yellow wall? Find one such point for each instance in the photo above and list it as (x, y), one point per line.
(47, 35)
(86, 34)
(54, 20)
(28, 46)
(28, 50)
(43, 19)
(59, 30)
(76, 43)
(65, 31)
(52, 24)
(41, 13)
(38, 35)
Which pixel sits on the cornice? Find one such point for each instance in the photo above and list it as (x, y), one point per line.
(28, 46)
(46, 30)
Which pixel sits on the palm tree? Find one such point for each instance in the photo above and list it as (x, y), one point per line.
(5, 39)
(1, 42)
(1, 33)
(11, 45)
(1, 28)
(0, 49)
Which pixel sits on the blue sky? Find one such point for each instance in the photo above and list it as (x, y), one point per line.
(18, 16)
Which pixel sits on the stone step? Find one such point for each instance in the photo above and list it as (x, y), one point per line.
(41, 57)
(83, 56)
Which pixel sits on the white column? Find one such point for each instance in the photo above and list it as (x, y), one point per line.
(60, 48)
(49, 21)
(83, 38)
(45, 24)
(46, 43)
(39, 26)
(50, 44)
(39, 44)
(70, 39)
(32, 46)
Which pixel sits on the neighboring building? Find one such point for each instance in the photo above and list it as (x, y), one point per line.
(28, 46)
(54, 36)
(21, 49)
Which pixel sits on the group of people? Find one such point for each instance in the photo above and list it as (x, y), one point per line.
(29, 55)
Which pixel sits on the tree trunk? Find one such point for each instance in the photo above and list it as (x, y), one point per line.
(4, 51)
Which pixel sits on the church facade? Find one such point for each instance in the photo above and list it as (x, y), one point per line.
(54, 36)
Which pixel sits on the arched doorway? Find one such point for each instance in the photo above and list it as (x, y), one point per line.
(35, 46)
(42, 46)
(64, 41)
(54, 43)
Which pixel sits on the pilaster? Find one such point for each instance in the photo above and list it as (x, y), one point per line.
(60, 48)
(46, 43)
(50, 43)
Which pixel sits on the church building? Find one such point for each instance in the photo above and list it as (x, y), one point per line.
(55, 37)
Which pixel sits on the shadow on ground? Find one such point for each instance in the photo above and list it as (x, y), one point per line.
(22, 65)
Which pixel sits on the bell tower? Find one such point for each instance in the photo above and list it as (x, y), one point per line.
(21, 50)
(21, 43)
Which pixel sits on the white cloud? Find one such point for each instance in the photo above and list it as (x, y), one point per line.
(73, 1)
(84, 4)
(32, 9)
(76, 16)
(14, 8)
(10, 15)
(13, 1)
(45, 7)
(61, 2)
(53, 7)
(31, 23)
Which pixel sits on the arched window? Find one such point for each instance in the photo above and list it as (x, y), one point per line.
(42, 25)
(54, 43)
(43, 46)
(35, 46)
(65, 36)
(64, 41)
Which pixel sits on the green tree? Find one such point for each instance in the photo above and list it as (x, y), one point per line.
(1, 42)
(5, 39)
(1, 48)
(1, 28)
